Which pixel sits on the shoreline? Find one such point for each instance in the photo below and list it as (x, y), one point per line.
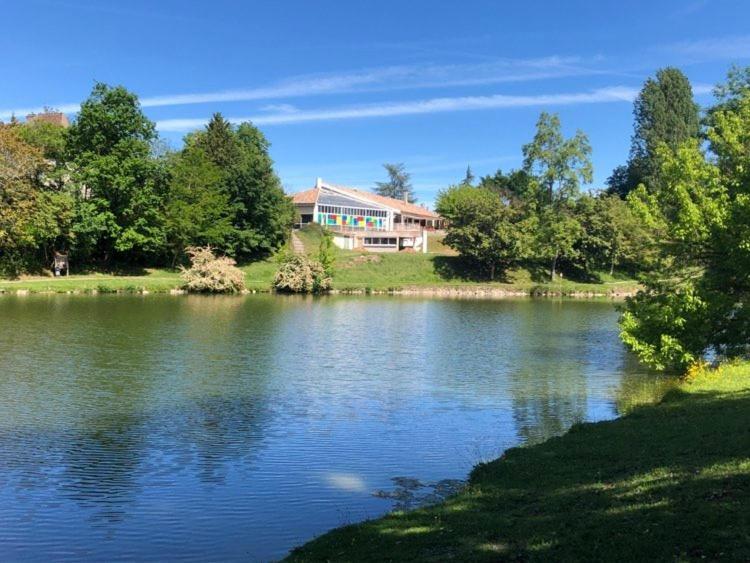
(436, 292)
(617, 489)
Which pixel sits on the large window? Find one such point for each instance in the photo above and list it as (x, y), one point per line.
(337, 210)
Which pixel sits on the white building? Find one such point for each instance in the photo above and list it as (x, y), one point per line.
(360, 219)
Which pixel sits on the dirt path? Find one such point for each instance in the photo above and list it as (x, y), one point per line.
(297, 245)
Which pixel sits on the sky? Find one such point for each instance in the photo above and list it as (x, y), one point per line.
(341, 87)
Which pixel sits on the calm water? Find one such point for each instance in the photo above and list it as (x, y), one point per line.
(228, 428)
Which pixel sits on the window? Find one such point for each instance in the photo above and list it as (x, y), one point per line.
(380, 241)
(358, 211)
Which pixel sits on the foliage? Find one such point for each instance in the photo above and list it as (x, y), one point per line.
(665, 114)
(197, 209)
(122, 186)
(326, 254)
(699, 297)
(299, 274)
(482, 228)
(559, 165)
(211, 274)
(398, 185)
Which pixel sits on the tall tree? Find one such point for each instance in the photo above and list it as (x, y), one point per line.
(469, 177)
(263, 213)
(121, 187)
(197, 212)
(698, 301)
(665, 113)
(558, 167)
(398, 185)
(219, 142)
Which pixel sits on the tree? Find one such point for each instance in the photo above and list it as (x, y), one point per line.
(263, 213)
(481, 228)
(197, 212)
(515, 188)
(20, 168)
(121, 186)
(665, 113)
(698, 300)
(469, 177)
(558, 166)
(398, 185)
(219, 142)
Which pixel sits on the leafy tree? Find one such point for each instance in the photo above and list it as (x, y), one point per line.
(665, 113)
(515, 188)
(612, 235)
(558, 166)
(121, 186)
(398, 185)
(484, 230)
(263, 212)
(326, 255)
(20, 168)
(197, 212)
(48, 137)
(699, 298)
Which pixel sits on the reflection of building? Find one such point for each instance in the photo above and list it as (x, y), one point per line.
(53, 117)
(362, 219)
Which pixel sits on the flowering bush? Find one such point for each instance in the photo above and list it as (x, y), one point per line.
(300, 274)
(211, 274)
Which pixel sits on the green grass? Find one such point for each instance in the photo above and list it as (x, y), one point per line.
(356, 271)
(666, 482)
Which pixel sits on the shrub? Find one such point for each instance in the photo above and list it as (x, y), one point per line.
(211, 274)
(300, 274)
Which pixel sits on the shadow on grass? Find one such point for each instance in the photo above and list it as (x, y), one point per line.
(668, 482)
(458, 269)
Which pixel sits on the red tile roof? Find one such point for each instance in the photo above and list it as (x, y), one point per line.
(311, 196)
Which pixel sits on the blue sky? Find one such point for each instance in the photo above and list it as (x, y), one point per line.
(341, 87)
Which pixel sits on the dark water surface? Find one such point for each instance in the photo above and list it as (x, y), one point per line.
(233, 428)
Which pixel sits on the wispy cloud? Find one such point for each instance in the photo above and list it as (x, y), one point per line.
(379, 79)
(717, 48)
(428, 106)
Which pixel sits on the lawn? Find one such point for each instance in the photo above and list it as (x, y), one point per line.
(666, 482)
(354, 271)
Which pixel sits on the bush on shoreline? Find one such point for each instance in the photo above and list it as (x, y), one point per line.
(211, 274)
(300, 274)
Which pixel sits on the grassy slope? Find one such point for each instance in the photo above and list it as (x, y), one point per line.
(666, 482)
(380, 272)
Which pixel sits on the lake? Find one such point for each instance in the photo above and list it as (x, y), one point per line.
(234, 428)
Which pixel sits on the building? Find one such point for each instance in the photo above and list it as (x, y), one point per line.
(53, 117)
(360, 219)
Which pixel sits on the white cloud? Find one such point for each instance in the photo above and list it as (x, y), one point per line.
(378, 79)
(419, 107)
(718, 48)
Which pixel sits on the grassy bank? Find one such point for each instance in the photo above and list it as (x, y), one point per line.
(666, 482)
(440, 269)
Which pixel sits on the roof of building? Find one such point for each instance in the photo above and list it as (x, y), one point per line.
(311, 196)
(54, 117)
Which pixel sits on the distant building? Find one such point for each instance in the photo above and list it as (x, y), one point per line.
(53, 117)
(366, 220)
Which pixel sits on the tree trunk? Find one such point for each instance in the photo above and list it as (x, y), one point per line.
(492, 272)
(552, 269)
(612, 265)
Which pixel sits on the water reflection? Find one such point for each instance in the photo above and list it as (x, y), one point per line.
(234, 428)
